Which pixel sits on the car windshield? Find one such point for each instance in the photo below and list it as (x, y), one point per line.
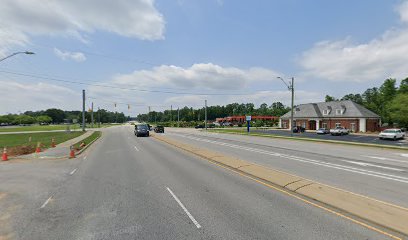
(142, 127)
(389, 131)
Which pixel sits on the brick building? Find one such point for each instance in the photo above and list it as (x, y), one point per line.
(329, 115)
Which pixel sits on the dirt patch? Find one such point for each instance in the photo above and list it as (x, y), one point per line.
(20, 150)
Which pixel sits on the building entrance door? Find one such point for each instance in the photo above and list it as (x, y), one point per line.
(312, 125)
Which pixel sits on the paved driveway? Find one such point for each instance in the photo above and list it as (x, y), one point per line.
(347, 138)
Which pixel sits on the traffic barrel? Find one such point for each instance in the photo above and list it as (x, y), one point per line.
(72, 152)
(53, 142)
(4, 156)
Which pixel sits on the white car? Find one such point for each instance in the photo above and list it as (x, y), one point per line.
(339, 131)
(393, 133)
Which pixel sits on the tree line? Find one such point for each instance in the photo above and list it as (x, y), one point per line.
(189, 114)
(57, 116)
(388, 101)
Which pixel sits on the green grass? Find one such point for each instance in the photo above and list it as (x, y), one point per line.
(11, 140)
(89, 139)
(50, 127)
(38, 128)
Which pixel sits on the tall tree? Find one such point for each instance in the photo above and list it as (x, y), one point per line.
(399, 110)
(329, 98)
(403, 88)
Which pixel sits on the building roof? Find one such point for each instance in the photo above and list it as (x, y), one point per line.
(348, 109)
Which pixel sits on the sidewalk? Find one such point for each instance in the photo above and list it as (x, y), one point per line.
(60, 151)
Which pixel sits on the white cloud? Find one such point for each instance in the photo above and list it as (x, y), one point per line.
(76, 56)
(198, 76)
(41, 96)
(385, 56)
(20, 19)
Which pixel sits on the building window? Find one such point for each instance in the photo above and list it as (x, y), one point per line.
(285, 125)
(326, 111)
(339, 111)
(353, 127)
(324, 125)
(338, 125)
(304, 124)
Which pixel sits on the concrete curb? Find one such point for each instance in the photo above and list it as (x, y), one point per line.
(381, 213)
(89, 144)
(315, 140)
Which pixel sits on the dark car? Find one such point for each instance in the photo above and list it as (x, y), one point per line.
(298, 129)
(142, 130)
(159, 129)
(199, 126)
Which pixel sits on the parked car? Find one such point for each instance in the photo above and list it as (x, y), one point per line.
(322, 131)
(298, 129)
(339, 131)
(141, 130)
(159, 129)
(199, 126)
(392, 133)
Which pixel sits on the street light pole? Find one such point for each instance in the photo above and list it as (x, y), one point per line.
(205, 115)
(292, 89)
(13, 54)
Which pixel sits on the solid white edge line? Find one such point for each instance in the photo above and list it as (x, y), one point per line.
(184, 208)
(73, 171)
(137, 149)
(46, 202)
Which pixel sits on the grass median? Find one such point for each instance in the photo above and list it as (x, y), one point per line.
(95, 135)
(20, 143)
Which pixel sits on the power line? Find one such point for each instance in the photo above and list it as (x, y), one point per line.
(121, 88)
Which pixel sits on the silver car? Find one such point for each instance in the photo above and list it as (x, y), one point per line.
(392, 133)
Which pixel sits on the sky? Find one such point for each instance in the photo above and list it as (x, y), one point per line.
(140, 53)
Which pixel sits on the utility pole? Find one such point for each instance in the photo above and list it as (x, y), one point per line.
(171, 114)
(293, 98)
(292, 89)
(148, 115)
(83, 110)
(99, 118)
(92, 118)
(178, 117)
(205, 115)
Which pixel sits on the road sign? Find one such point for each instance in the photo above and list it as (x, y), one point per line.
(248, 118)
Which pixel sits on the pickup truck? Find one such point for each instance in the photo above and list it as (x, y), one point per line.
(339, 131)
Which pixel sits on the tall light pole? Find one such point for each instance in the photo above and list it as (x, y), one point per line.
(205, 115)
(13, 54)
(292, 89)
(83, 110)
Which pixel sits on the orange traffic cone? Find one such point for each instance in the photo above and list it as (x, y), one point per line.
(38, 149)
(72, 152)
(4, 157)
(53, 143)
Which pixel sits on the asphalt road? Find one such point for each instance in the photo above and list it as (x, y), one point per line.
(347, 138)
(374, 172)
(138, 188)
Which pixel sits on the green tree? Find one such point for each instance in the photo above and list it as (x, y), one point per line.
(57, 115)
(399, 110)
(24, 119)
(388, 89)
(403, 88)
(43, 119)
(357, 98)
(329, 98)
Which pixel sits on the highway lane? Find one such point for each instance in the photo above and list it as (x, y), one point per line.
(377, 173)
(139, 188)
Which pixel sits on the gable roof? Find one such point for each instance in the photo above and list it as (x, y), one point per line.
(315, 110)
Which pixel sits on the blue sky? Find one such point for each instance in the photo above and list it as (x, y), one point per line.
(235, 48)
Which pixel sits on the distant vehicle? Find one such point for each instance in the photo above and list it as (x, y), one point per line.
(322, 131)
(211, 125)
(298, 129)
(159, 129)
(142, 130)
(199, 126)
(393, 133)
(339, 131)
